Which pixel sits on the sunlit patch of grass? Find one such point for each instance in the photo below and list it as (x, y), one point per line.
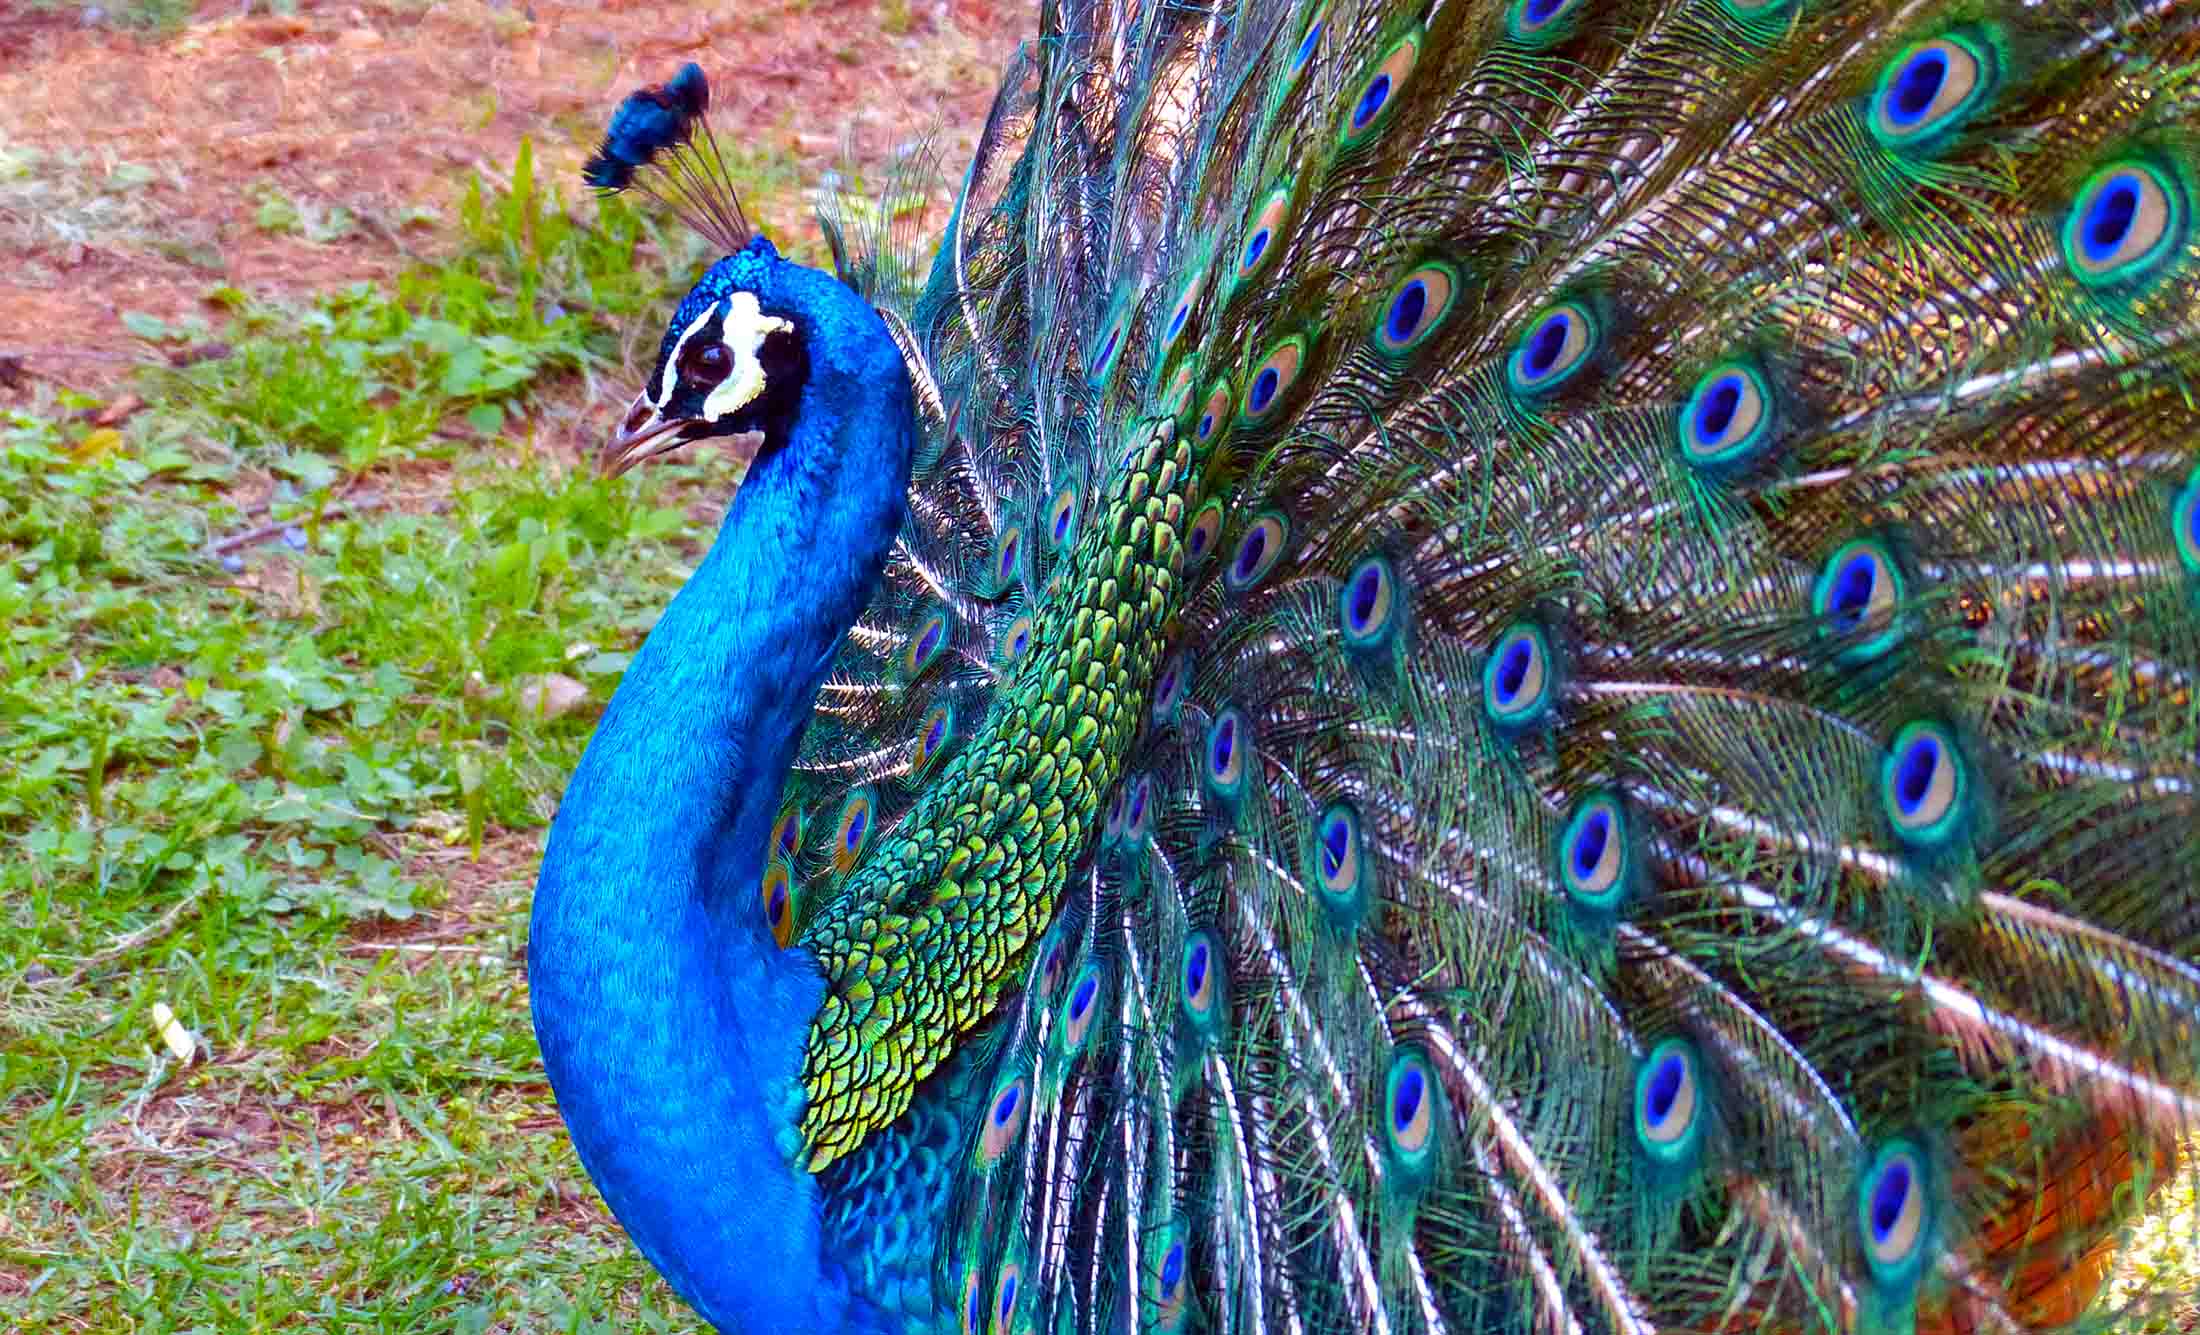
(80, 199)
(152, 17)
(371, 372)
(2160, 1263)
(261, 702)
(282, 214)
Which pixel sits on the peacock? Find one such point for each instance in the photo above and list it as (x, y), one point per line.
(1455, 666)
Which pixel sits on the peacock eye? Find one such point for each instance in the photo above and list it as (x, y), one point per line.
(1539, 22)
(1261, 233)
(1004, 1118)
(1728, 418)
(779, 905)
(1272, 379)
(1226, 745)
(1858, 599)
(1368, 603)
(1409, 1112)
(2185, 518)
(1257, 552)
(1337, 852)
(1169, 692)
(1212, 418)
(1379, 91)
(1592, 852)
(1893, 1214)
(1670, 1113)
(1138, 814)
(1930, 89)
(1181, 313)
(2129, 218)
(1518, 680)
(973, 1305)
(1417, 306)
(1307, 44)
(1924, 783)
(1558, 345)
(1203, 983)
(1078, 1010)
(706, 365)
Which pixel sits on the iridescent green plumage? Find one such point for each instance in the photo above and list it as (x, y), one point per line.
(939, 918)
(1582, 619)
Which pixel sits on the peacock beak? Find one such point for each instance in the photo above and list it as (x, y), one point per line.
(644, 435)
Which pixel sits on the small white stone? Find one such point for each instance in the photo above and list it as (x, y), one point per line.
(551, 695)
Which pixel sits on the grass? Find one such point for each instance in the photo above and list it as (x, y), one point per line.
(2162, 1255)
(147, 16)
(266, 759)
(80, 199)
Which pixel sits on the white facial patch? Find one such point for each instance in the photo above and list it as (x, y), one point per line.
(743, 333)
(672, 364)
(745, 330)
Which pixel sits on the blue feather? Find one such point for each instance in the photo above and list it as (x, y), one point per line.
(677, 974)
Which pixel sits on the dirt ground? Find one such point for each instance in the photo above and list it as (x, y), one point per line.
(294, 152)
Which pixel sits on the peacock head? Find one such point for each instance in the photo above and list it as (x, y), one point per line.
(756, 330)
(733, 360)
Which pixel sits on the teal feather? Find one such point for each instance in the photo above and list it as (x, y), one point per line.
(1540, 675)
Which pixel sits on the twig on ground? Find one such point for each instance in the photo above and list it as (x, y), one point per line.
(338, 510)
(129, 942)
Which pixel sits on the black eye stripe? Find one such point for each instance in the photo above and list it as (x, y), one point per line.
(780, 352)
(680, 349)
(714, 349)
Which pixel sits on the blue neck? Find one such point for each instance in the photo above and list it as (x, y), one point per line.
(672, 1026)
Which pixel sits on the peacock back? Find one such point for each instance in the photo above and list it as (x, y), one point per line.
(1540, 676)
